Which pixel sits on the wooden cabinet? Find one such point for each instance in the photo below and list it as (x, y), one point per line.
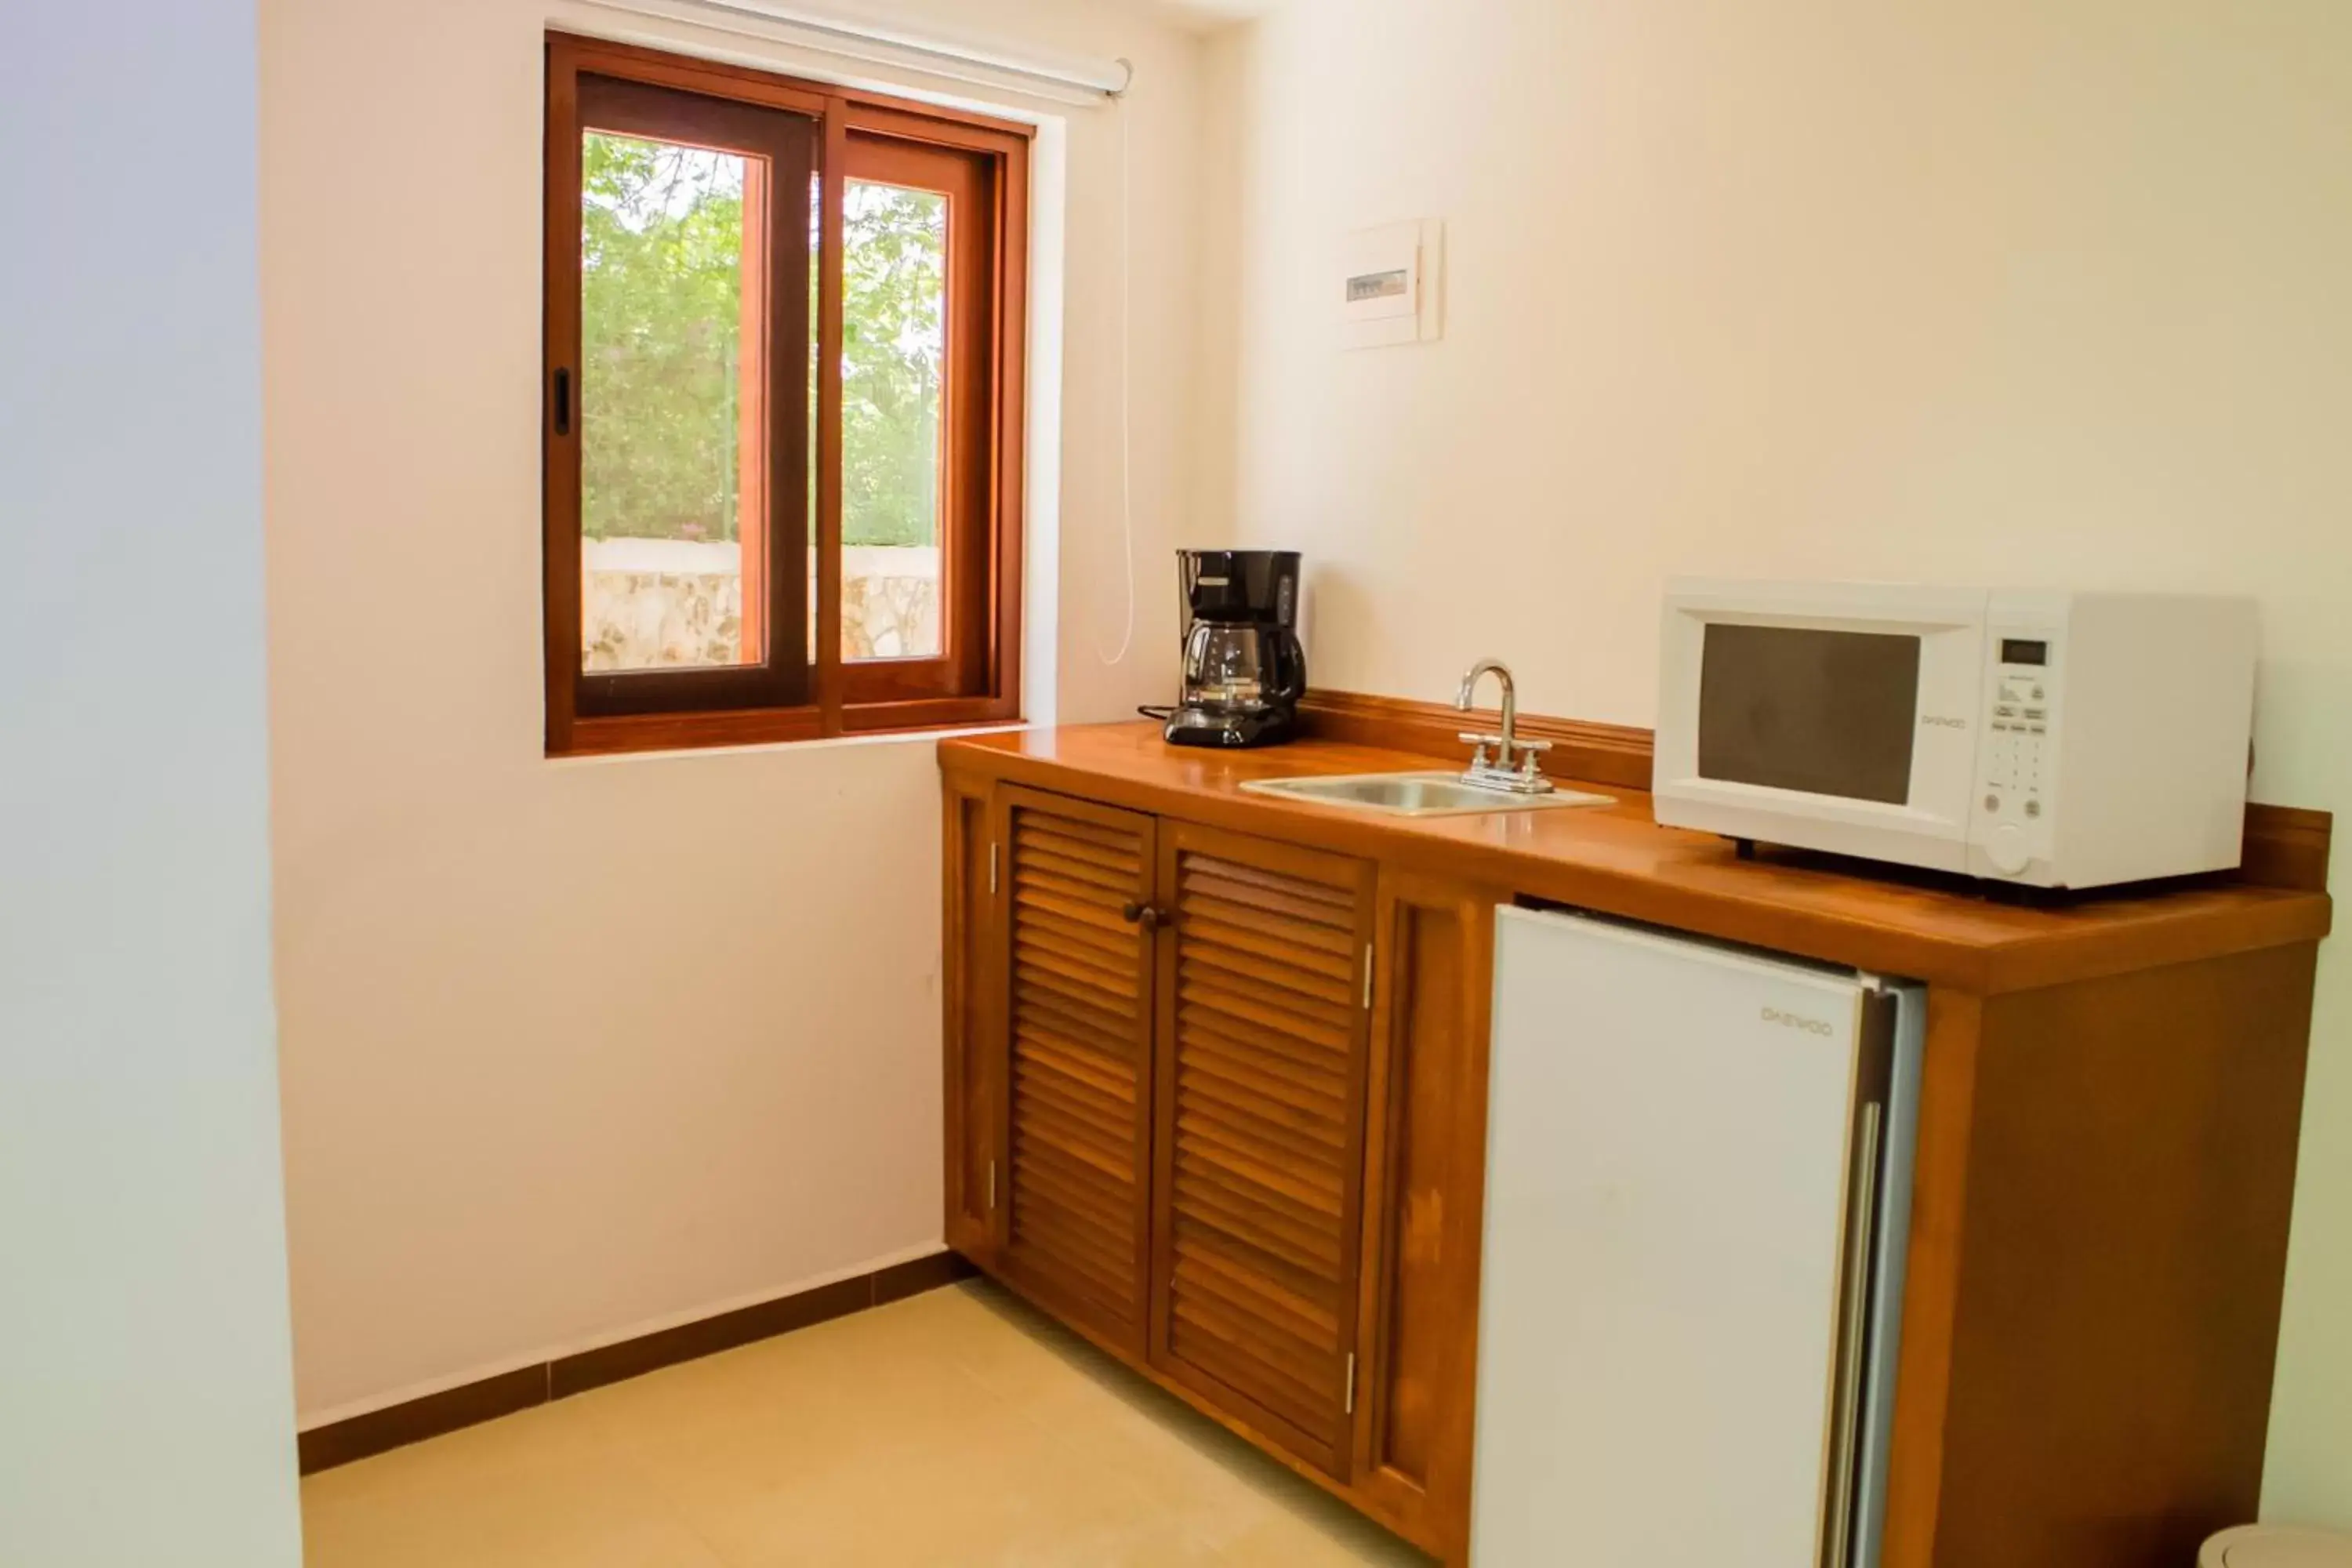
(1074, 1152)
(1426, 1174)
(1199, 1113)
(1259, 1103)
(1217, 1095)
(972, 1021)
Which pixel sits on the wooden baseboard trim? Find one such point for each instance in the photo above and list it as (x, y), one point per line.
(2285, 846)
(469, 1404)
(397, 1425)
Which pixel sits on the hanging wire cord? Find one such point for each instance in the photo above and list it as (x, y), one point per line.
(1125, 370)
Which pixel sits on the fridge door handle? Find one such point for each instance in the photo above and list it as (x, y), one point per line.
(1854, 1314)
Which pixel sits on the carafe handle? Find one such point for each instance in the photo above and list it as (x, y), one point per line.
(1291, 660)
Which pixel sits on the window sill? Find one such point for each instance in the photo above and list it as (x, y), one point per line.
(604, 737)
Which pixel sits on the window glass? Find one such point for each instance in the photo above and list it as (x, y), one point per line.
(1797, 708)
(893, 344)
(673, 495)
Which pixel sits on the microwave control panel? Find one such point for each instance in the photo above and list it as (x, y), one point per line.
(2016, 774)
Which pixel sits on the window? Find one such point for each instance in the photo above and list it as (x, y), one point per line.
(783, 407)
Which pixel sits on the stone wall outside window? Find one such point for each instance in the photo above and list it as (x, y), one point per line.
(647, 604)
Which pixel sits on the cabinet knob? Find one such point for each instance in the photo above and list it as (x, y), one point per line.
(1142, 915)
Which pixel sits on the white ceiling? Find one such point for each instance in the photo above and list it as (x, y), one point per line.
(1202, 14)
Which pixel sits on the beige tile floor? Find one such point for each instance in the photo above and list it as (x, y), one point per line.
(957, 1427)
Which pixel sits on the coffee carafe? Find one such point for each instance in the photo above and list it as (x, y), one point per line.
(1243, 668)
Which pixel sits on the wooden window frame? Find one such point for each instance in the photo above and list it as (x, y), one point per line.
(983, 164)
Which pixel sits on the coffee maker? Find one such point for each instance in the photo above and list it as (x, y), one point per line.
(1244, 670)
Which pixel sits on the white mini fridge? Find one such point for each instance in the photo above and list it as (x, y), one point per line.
(1698, 1192)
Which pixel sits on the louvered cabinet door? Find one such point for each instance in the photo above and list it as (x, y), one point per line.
(1078, 943)
(1259, 1139)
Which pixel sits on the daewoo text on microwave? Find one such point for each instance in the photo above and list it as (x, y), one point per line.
(2046, 738)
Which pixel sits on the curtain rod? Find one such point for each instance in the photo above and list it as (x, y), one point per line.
(1067, 79)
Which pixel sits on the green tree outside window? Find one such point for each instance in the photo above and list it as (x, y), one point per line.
(661, 256)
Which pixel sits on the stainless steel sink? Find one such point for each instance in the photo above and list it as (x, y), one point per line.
(1438, 793)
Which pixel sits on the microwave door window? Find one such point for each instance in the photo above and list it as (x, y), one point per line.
(1797, 708)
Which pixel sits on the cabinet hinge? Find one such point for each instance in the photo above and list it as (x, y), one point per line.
(992, 1184)
(1368, 977)
(992, 866)
(1351, 1382)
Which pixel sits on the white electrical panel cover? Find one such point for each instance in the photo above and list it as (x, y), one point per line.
(1389, 284)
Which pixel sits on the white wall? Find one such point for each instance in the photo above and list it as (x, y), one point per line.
(573, 1049)
(146, 1406)
(2004, 291)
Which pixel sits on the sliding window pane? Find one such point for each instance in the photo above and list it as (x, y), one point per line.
(673, 512)
(894, 340)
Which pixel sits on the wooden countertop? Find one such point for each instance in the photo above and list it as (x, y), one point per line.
(1618, 861)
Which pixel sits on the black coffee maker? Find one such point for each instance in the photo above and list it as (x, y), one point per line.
(1244, 670)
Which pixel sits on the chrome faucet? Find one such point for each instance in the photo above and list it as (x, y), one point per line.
(1515, 765)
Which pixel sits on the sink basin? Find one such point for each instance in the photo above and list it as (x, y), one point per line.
(1416, 795)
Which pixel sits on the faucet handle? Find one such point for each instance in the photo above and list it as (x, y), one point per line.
(1529, 752)
(1473, 738)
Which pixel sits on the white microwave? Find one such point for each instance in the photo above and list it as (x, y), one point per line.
(2047, 738)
